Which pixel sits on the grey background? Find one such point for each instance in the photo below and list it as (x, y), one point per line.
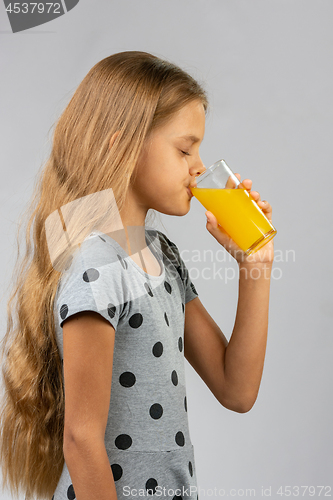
(267, 66)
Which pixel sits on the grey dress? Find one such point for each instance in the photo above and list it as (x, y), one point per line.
(147, 436)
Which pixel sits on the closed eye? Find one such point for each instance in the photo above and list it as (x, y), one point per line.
(185, 153)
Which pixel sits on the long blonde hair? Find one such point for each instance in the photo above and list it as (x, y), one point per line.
(131, 93)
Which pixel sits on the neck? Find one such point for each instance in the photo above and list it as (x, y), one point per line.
(130, 233)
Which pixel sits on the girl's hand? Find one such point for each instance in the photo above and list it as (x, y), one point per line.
(265, 254)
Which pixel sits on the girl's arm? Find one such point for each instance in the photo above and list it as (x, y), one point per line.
(233, 370)
(88, 341)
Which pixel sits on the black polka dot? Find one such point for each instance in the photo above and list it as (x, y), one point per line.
(136, 320)
(156, 411)
(123, 441)
(185, 403)
(158, 349)
(180, 344)
(167, 286)
(166, 318)
(183, 307)
(70, 493)
(127, 379)
(101, 238)
(177, 497)
(174, 377)
(52, 498)
(122, 261)
(90, 275)
(63, 311)
(148, 290)
(151, 485)
(117, 471)
(194, 289)
(180, 439)
(111, 310)
(190, 468)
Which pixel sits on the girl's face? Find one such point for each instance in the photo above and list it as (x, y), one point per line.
(169, 163)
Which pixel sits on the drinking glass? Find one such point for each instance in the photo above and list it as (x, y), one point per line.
(217, 189)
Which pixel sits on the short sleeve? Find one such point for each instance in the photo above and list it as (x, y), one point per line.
(173, 254)
(93, 282)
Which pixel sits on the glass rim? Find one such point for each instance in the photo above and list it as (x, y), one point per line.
(210, 169)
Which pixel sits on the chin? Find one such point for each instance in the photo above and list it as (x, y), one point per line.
(176, 209)
(176, 213)
(184, 212)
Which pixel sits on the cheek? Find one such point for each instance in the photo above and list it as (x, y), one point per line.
(159, 189)
(155, 169)
(159, 172)
(148, 182)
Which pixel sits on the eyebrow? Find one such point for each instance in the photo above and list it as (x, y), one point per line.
(190, 137)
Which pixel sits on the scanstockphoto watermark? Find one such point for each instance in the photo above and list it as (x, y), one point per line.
(198, 492)
(196, 259)
(186, 492)
(97, 214)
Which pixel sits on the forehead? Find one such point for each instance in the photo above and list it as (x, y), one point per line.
(187, 123)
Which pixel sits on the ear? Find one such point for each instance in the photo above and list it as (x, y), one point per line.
(113, 138)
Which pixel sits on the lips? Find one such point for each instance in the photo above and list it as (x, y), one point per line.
(189, 192)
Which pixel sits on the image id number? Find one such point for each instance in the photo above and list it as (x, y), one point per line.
(30, 7)
(301, 491)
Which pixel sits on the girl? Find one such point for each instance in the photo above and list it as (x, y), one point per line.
(95, 400)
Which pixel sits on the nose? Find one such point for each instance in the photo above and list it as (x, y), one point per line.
(197, 168)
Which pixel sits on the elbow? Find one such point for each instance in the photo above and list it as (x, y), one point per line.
(71, 436)
(69, 443)
(241, 405)
(243, 408)
(83, 440)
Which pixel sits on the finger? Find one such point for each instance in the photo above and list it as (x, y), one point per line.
(246, 184)
(216, 229)
(231, 184)
(255, 195)
(211, 219)
(266, 208)
(222, 237)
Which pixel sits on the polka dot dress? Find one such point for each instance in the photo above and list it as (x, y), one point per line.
(147, 436)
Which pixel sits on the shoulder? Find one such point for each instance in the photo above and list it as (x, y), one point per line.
(95, 251)
(94, 261)
(92, 282)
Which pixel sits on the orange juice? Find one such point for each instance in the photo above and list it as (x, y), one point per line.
(239, 215)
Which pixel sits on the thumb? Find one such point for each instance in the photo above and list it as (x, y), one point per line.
(217, 231)
(211, 219)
